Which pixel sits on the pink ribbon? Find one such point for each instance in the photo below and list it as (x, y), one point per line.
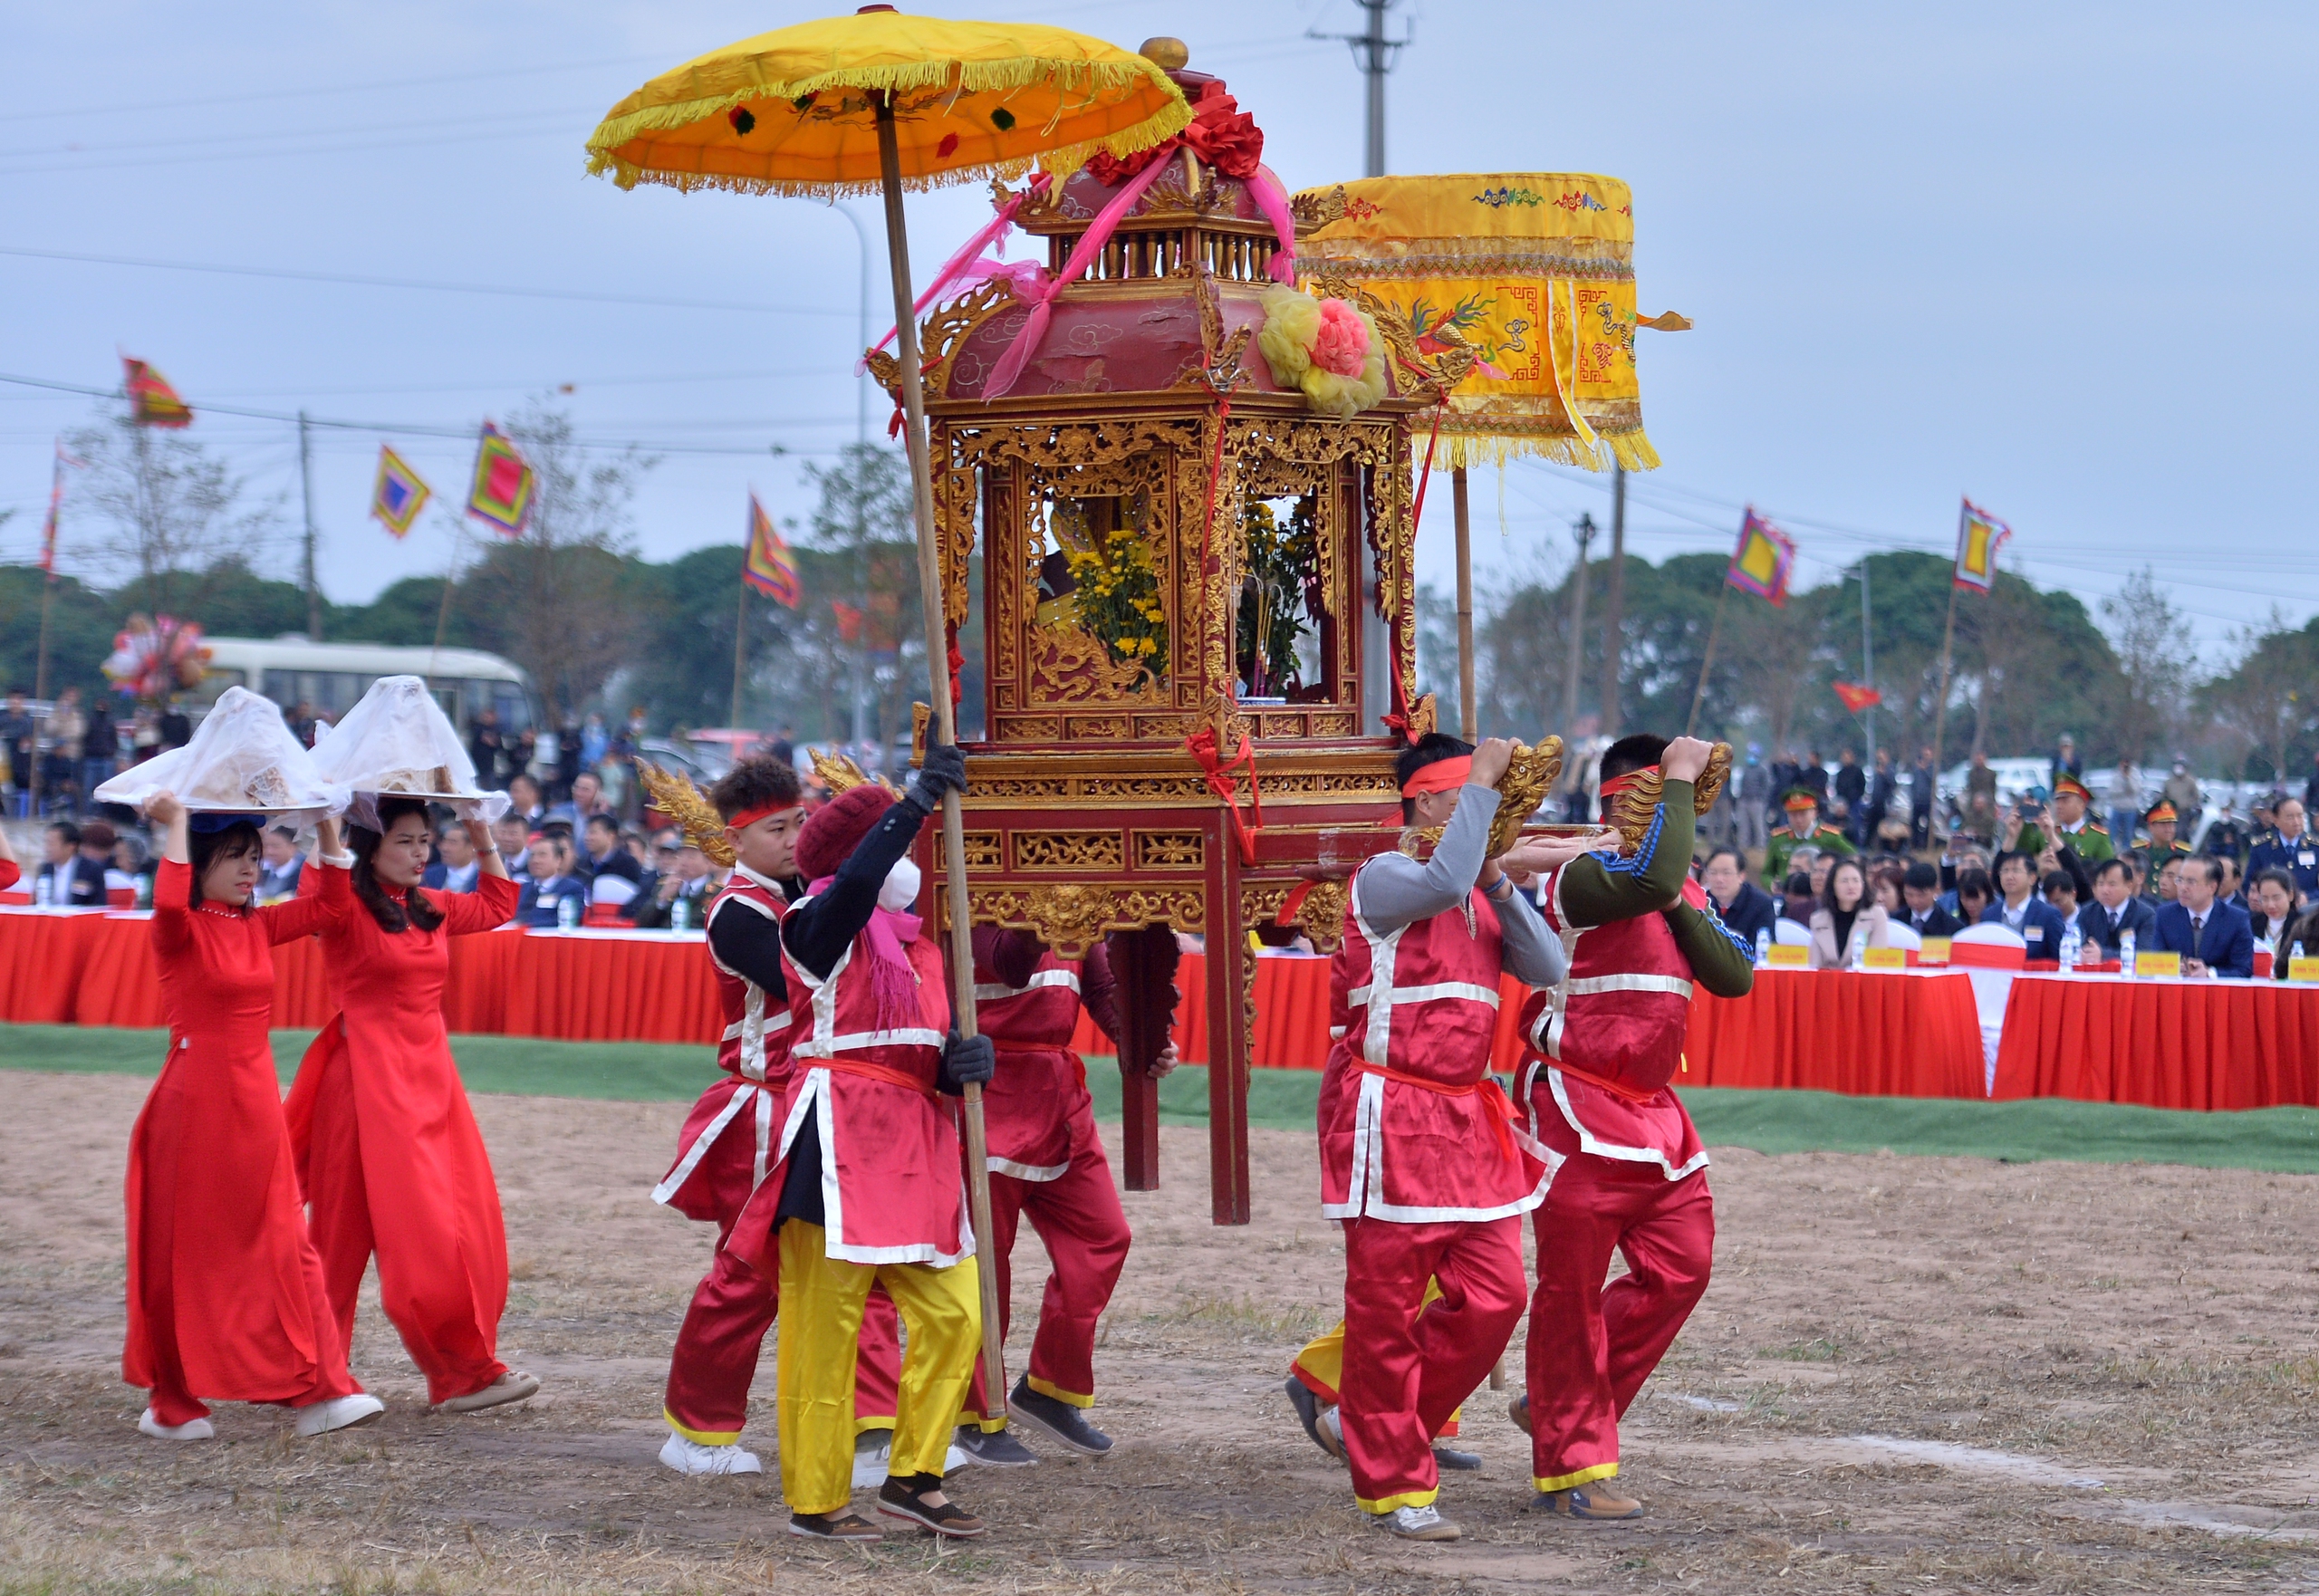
(966, 264)
(1272, 199)
(1042, 299)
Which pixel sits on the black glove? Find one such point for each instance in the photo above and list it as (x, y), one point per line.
(966, 1061)
(944, 771)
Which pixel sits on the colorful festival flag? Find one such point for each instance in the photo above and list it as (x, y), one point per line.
(503, 481)
(1979, 535)
(1763, 561)
(770, 567)
(400, 493)
(1858, 696)
(152, 402)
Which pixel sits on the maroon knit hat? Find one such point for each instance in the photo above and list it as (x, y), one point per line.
(835, 829)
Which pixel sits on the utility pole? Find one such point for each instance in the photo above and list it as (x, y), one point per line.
(306, 485)
(1584, 533)
(1614, 603)
(1373, 52)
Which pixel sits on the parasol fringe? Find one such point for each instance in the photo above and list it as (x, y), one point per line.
(1462, 451)
(979, 77)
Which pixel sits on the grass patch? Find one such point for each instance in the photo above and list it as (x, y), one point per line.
(2280, 1140)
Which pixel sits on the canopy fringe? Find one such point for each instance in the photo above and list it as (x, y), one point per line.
(1463, 451)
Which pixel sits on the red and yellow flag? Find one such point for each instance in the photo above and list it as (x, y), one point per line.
(770, 567)
(1979, 536)
(152, 402)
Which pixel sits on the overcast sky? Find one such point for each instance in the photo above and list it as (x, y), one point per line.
(2053, 256)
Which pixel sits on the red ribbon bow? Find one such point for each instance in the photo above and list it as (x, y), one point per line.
(1221, 134)
(1202, 747)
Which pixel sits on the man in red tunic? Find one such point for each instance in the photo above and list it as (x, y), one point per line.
(1417, 1160)
(1045, 1160)
(866, 1185)
(1626, 1163)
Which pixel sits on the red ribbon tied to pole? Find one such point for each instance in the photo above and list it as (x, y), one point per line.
(1203, 747)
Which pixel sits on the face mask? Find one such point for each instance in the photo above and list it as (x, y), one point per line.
(900, 890)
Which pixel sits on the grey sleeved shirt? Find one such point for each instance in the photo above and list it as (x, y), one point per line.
(1395, 890)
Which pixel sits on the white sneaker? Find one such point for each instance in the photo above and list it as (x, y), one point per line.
(872, 1468)
(1418, 1524)
(196, 1429)
(691, 1457)
(339, 1413)
(871, 1463)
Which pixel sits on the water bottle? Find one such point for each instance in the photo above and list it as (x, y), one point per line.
(1764, 945)
(680, 913)
(1859, 951)
(2073, 944)
(2293, 954)
(567, 911)
(2126, 952)
(40, 890)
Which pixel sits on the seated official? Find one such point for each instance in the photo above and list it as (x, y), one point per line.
(456, 866)
(2288, 846)
(1744, 908)
(614, 877)
(2272, 892)
(2060, 889)
(2214, 936)
(2019, 908)
(553, 882)
(1846, 923)
(1920, 899)
(2116, 910)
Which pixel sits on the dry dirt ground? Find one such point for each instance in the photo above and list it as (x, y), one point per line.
(1910, 1374)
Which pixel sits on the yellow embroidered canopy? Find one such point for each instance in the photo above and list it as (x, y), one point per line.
(1534, 270)
(790, 111)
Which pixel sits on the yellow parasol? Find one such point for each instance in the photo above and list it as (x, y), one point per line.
(884, 102)
(1535, 271)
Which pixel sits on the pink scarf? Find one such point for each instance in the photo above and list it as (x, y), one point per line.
(892, 979)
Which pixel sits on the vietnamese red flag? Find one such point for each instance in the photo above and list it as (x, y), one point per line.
(1858, 696)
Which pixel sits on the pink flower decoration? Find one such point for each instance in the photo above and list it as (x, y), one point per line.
(1342, 345)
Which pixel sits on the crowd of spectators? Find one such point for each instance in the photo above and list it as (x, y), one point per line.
(1851, 853)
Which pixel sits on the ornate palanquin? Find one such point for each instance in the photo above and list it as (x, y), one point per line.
(1173, 548)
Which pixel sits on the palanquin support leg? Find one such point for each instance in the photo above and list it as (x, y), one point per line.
(1143, 962)
(1229, 966)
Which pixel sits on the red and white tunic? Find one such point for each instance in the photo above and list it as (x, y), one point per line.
(1412, 1129)
(892, 1190)
(711, 1180)
(1036, 1111)
(1608, 1040)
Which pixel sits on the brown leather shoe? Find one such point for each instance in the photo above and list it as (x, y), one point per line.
(1598, 1502)
(513, 1386)
(844, 1525)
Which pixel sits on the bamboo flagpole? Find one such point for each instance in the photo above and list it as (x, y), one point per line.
(1706, 659)
(1468, 718)
(937, 666)
(740, 643)
(1941, 707)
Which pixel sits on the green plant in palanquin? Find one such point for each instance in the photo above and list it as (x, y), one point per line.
(1276, 595)
(1117, 599)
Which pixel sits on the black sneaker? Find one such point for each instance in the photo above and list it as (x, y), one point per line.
(903, 1496)
(994, 1448)
(1450, 1457)
(844, 1525)
(1058, 1420)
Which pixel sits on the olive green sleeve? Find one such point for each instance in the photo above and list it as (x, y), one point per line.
(1599, 888)
(1719, 961)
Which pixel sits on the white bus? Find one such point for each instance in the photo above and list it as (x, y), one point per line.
(331, 677)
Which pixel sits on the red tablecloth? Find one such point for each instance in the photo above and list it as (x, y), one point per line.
(611, 986)
(41, 954)
(1868, 1034)
(2165, 1043)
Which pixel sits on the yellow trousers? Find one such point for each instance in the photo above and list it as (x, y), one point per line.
(821, 1317)
(1321, 1362)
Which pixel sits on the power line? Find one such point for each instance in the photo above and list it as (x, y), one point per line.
(497, 75)
(282, 274)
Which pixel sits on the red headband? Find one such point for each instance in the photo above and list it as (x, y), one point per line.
(1617, 784)
(1442, 776)
(750, 817)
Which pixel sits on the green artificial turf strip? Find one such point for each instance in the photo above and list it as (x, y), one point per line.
(2284, 1139)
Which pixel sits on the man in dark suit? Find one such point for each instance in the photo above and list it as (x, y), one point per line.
(2115, 910)
(2019, 906)
(2288, 846)
(2214, 936)
(1744, 908)
(1921, 908)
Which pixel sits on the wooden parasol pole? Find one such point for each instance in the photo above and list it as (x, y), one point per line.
(937, 666)
(1468, 718)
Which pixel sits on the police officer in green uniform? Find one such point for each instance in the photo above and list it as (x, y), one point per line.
(2161, 844)
(1802, 830)
(2074, 825)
